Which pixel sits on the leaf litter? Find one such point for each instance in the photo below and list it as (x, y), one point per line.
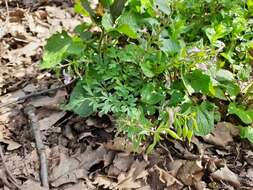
(206, 163)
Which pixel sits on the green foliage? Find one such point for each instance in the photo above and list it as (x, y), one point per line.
(157, 65)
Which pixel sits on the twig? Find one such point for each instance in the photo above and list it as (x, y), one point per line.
(30, 111)
(6, 170)
(8, 13)
(34, 94)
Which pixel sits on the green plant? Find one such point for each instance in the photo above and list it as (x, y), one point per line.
(158, 66)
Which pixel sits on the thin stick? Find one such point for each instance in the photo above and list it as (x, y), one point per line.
(8, 13)
(34, 94)
(30, 111)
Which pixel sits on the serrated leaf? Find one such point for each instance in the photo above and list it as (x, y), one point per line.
(79, 101)
(150, 94)
(127, 24)
(147, 69)
(170, 46)
(247, 132)
(243, 114)
(204, 118)
(52, 59)
(223, 74)
(197, 81)
(107, 22)
(164, 6)
(80, 9)
(55, 50)
(127, 30)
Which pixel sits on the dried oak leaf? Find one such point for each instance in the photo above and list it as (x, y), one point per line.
(226, 175)
(134, 178)
(32, 185)
(70, 169)
(191, 172)
(120, 144)
(223, 134)
(168, 179)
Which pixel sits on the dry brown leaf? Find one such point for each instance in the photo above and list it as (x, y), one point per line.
(49, 102)
(167, 178)
(174, 166)
(226, 175)
(250, 173)
(32, 185)
(70, 169)
(79, 186)
(12, 96)
(120, 144)
(12, 145)
(104, 181)
(48, 122)
(123, 161)
(191, 172)
(135, 177)
(223, 134)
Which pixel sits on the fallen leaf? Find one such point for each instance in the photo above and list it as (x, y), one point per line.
(120, 144)
(191, 172)
(12, 145)
(29, 88)
(48, 122)
(70, 169)
(226, 175)
(123, 161)
(79, 186)
(50, 102)
(250, 173)
(12, 96)
(167, 178)
(222, 134)
(32, 185)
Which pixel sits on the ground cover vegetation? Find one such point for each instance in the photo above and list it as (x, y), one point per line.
(163, 69)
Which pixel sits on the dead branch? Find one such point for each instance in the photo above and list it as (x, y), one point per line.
(34, 94)
(30, 111)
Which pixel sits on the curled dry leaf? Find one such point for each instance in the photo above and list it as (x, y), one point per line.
(168, 179)
(12, 145)
(223, 134)
(226, 175)
(134, 178)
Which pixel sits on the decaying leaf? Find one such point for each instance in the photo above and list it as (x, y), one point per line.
(226, 175)
(32, 185)
(120, 144)
(47, 122)
(168, 179)
(49, 102)
(70, 169)
(223, 134)
(134, 178)
(191, 172)
(12, 145)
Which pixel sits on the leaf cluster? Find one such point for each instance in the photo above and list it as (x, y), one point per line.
(159, 67)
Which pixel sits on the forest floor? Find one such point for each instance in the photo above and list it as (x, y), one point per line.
(86, 153)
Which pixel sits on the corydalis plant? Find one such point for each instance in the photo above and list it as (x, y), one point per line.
(148, 57)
